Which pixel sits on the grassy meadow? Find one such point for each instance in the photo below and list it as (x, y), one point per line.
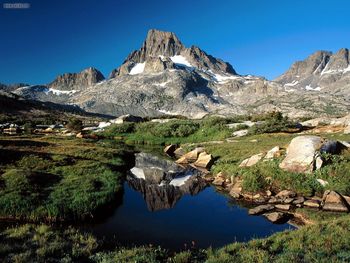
(56, 178)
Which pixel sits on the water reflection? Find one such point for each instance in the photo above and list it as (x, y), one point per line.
(162, 182)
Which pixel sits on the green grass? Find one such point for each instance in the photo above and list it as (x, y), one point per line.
(326, 241)
(174, 131)
(68, 179)
(230, 155)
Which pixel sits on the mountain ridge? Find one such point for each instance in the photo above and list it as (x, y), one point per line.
(165, 77)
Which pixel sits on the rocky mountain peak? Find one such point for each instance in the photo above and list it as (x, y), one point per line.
(321, 71)
(172, 54)
(313, 64)
(339, 60)
(160, 43)
(77, 81)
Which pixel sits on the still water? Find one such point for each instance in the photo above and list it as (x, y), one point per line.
(168, 212)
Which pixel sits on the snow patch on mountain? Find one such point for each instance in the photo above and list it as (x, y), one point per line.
(181, 61)
(308, 87)
(60, 92)
(138, 68)
(295, 82)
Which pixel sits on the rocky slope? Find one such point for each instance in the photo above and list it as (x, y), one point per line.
(165, 77)
(321, 71)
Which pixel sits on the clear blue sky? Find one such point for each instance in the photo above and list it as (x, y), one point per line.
(259, 37)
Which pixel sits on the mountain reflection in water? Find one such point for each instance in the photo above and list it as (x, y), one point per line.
(162, 182)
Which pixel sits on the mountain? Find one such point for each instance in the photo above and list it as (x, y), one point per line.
(321, 71)
(15, 108)
(77, 81)
(166, 77)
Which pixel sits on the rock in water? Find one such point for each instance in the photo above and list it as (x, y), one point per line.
(301, 154)
(276, 217)
(260, 209)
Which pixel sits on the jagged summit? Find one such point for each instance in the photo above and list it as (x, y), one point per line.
(77, 81)
(163, 50)
(322, 70)
(165, 77)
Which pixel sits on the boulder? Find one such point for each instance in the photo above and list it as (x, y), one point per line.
(191, 156)
(312, 203)
(182, 160)
(276, 217)
(301, 154)
(273, 153)
(240, 133)
(252, 160)
(170, 149)
(219, 179)
(299, 200)
(283, 207)
(332, 201)
(347, 130)
(288, 200)
(236, 188)
(273, 200)
(286, 194)
(204, 160)
(179, 152)
(127, 118)
(347, 199)
(260, 209)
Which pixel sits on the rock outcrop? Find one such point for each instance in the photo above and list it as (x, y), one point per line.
(77, 81)
(301, 154)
